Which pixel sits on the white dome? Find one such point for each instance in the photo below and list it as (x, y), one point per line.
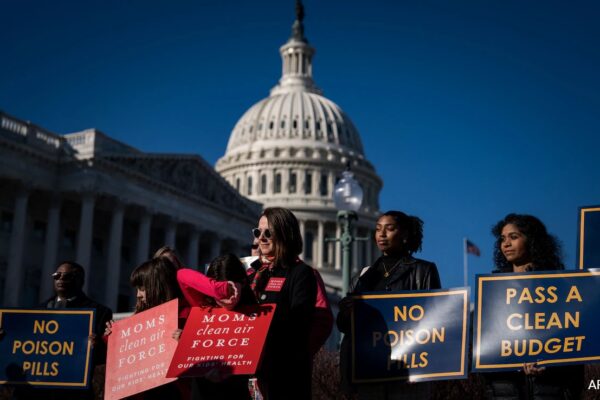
(292, 118)
(291, 147)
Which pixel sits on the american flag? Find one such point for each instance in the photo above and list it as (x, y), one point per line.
(472, 249)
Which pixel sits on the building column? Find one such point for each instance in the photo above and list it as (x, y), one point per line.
(113, 267)
(15, 271)
(192, 253)
(320, 244)
(338, 247)
(171, 234)
(331, 184)
(301, 178)
(143, 240)
(330, 254)
(285, 181)
(84, 235)
(316, 182)
(50, 247)
(302, 234)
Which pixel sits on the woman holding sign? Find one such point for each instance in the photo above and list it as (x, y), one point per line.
(398, 236)
(283, 279)
(522, 245)
(155, 282)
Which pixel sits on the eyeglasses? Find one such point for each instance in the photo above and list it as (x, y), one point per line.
(266, 233)
(65, 276)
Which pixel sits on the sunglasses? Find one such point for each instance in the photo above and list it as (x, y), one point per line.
(65, 276)
(266, 233)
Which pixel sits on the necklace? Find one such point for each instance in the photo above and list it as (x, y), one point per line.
(387, 272)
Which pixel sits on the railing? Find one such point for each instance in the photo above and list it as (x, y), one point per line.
(25, 132)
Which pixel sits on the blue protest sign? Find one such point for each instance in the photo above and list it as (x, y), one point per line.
(418, 336)
(589, 237)
(46, 348)
(546, 317)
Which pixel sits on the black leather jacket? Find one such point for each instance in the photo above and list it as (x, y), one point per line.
(408, 273)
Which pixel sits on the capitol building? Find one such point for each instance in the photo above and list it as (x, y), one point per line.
(290, 149)
(90, 198)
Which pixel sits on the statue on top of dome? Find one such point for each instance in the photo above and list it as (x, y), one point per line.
(298, 26)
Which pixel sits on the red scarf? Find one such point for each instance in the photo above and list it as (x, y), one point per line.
(258, 281)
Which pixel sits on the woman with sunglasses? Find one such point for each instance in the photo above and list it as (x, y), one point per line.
(283, 279)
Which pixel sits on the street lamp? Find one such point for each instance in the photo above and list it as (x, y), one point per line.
(347, 197)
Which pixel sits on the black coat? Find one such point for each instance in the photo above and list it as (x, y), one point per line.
(408, 273)
(103, 315)
(286, 368)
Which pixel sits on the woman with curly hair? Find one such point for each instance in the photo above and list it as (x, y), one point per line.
(398, 236)
(524, 245)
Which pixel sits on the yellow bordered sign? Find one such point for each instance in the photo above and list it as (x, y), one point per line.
(46, 348)
(418, 336)
(588, 253)
(546, 317)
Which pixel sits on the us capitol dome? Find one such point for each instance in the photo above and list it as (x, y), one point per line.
(290, 149)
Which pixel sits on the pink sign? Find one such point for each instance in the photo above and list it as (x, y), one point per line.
(221, 341)
(140, 349)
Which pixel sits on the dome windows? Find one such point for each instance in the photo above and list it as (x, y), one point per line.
(263, 184)
(323, 185)
(277, 183)
(293, 182)
(308, 182)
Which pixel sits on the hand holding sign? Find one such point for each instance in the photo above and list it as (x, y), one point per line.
(139, 351)
(218, 339)
(536, 319)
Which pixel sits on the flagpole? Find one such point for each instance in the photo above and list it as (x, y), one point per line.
(465, 262)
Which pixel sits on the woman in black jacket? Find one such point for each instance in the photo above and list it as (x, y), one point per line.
(523, 244)
(283, 279)
(398, 236)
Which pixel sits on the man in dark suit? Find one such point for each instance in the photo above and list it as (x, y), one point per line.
(68, 287)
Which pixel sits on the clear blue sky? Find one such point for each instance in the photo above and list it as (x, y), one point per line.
(468, 109)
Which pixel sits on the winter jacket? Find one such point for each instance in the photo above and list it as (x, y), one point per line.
(408, 273)
(285, 371)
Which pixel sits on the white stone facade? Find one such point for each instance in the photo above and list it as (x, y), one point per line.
(289, 150)
(89, 198)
